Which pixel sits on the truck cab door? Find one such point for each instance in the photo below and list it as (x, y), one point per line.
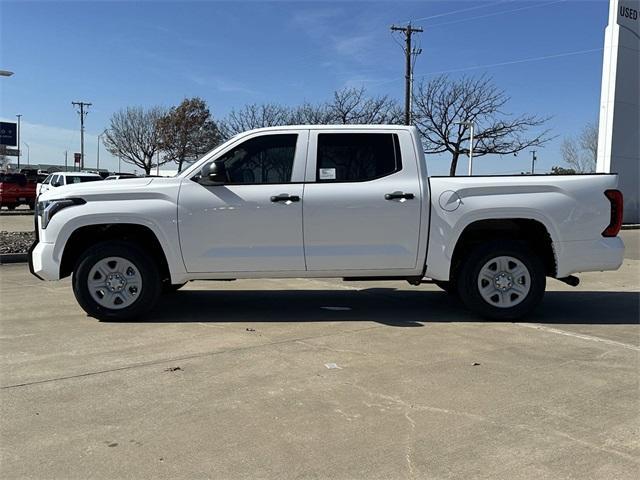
(363, 202)
(252, 220)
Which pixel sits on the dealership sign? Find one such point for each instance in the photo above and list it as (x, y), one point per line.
(8, 133)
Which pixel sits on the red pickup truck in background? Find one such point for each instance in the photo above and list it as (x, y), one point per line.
(16, 189)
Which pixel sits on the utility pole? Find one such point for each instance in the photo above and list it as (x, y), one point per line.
(65, 160)
(19, 151)
(409, 53)
(533, 161)
(83, 112)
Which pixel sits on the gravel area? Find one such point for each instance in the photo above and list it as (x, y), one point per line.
(15, 242)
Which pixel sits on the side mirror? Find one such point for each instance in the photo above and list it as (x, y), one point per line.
(213, 173)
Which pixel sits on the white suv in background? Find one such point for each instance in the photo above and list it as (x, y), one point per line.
(60, 179)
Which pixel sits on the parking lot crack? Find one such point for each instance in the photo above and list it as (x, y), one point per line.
(187, 357)
(406, 407)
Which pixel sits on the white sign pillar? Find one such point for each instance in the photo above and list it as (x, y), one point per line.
(619, 130)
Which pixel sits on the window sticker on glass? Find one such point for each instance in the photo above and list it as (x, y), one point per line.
(327, 174)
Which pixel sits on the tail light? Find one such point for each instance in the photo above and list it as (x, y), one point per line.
(615, 224)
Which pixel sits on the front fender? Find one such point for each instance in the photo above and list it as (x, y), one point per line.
(160, 218)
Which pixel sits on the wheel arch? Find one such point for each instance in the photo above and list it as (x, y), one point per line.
(530, 231)
(86, 236)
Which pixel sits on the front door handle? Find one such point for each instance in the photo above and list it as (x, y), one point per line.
(285, 197)
(398, 196)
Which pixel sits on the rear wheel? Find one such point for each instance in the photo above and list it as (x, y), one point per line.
(11, 206)
(502, 280)
(116, 281)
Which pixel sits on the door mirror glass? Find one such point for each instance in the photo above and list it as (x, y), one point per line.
(213, 173)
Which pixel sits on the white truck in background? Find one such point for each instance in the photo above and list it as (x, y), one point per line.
(353, 202)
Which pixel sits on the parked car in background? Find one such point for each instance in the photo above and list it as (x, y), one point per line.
(60, 179)
(120, 176)
(16, 189)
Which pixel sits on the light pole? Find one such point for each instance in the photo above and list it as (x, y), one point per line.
(28, 153)
(19, 153)
(470, 125)
(533, 161)
(98, 156)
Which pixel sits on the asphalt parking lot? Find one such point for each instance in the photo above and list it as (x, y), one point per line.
(321, 379)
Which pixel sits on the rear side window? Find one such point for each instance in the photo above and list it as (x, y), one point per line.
(357, 157)
(80, 179)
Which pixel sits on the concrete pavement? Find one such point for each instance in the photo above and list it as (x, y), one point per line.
(236, 380)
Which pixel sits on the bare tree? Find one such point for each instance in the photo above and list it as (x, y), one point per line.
(443, 109)
(581, 154)
(254, 116)
(310, 114)
(348, 106)
(353, 106)
(187, 131)
(133, 135)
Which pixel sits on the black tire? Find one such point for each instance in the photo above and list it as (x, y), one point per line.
(11, 206)
(469, 272)
(150, 278)
(168, 287)
(448, 287)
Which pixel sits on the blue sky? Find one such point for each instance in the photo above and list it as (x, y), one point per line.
(117, 53)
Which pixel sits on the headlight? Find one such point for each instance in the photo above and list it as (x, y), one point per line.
(48, 208)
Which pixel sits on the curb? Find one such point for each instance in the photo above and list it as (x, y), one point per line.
(6, 258)
(631, 226)
(24, 213)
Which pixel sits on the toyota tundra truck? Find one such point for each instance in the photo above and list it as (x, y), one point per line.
(352, 202)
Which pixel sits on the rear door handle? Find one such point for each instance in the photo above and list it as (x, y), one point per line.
(398, 195)
(284, 197)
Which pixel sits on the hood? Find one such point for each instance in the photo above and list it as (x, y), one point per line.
(123, 188)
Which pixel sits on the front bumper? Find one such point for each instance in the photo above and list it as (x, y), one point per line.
(42, 261)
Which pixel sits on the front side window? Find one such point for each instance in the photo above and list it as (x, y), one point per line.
(264, 159)
(357, 157)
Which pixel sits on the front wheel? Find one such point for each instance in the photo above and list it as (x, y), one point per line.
(502, 280)
(116, 281)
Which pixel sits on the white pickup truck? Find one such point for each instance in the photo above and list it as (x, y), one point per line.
(353, 202)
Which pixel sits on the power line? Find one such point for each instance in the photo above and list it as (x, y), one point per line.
(528, 7)
(513, 62)
(453, 12)
(500, 64)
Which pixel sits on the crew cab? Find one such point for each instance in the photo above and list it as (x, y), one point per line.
(16, 190)
(352, 202)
